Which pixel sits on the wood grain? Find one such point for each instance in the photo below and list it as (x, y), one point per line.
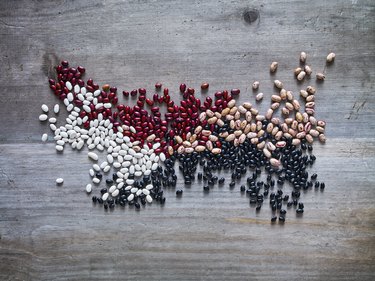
(54, 233)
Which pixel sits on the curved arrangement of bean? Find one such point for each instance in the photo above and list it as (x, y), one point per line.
(142, 147)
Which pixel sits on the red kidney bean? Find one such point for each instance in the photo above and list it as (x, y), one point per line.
(89, 82)
(218, 102)
(81, 69)
(166, 91)
(133, 92)
(182, 88)
(78, 102)
(191, 91)
(218, 94)
(69, 76)
(166, 99)
(111, 95)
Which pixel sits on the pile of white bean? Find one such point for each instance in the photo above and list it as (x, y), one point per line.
(125, 157)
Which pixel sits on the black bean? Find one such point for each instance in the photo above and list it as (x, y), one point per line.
(179, 192)
(273, 219)
(281, 219)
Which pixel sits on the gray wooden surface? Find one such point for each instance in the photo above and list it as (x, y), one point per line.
(54, 233)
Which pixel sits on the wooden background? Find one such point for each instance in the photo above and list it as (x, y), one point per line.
(54, 233)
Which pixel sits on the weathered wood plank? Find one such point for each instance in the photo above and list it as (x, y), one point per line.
(54, 233)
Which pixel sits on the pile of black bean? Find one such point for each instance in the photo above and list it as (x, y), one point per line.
(243, 165)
